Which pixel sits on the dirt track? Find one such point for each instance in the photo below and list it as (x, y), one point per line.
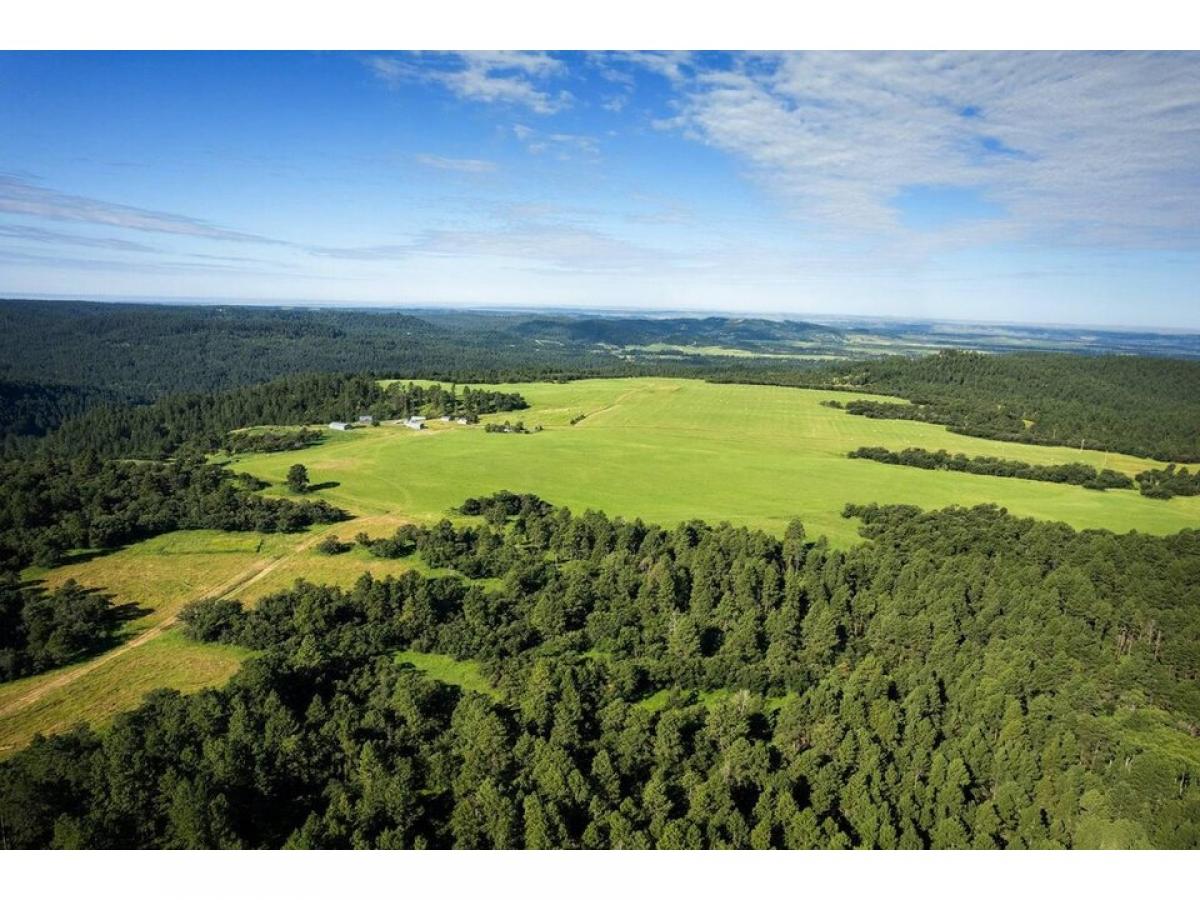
(252, 573)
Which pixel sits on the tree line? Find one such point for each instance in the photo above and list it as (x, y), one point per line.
(963, 678)
(274, 441)
(61, 358)
(202, 422)
(50, 505)
(1163, 484)
(1068, 473)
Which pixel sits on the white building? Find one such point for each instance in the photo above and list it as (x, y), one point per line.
(339, 426)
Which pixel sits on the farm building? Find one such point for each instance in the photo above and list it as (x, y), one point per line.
(366, 420)
(340, 426)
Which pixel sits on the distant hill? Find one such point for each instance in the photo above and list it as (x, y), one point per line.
(59, 358)
(29, 409)
(713, 331)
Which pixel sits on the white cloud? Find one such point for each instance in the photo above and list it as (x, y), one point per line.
(49, 236)
(22, 197)
(59, 262)
(564, 145)
(673, 65)
(449, 164)
(1087, 147)
(506, 77)
(555, 246)
(536, 63)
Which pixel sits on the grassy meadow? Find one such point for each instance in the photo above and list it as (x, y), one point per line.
(462, 673)
(670, 450)
(666, 450)
(168, 660)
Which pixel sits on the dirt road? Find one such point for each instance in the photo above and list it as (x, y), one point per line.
(252, 573)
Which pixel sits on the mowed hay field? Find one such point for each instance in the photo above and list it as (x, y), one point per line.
(666, 450)
(670, 450)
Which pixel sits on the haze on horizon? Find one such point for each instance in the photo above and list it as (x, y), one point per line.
(1022, 187)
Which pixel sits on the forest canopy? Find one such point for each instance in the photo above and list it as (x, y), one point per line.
(1125, 404)
(962, 679)
(1139, 405)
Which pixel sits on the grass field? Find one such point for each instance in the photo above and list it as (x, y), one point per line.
(710, 699)
(164, 573)
(169, 660)
(669, 450)
(735, 352)
(666, 450)
(448, 670)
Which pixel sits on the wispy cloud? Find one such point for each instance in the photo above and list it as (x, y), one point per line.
(673, 65)
(564, 145)
(49, 236)
(556, 246)
(65, 261)
(515, 78)
(20, 196)
(1086, 147)
(449, 164)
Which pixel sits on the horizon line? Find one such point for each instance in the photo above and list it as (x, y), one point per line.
(600, 311)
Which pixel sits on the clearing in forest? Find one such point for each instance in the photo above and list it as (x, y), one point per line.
(670, 450)
(664, 449)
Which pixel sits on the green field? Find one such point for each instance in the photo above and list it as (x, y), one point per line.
(160, 575)
(169, 660)
(670, 450)
(666, 450)
(448, 670)
(659, 700)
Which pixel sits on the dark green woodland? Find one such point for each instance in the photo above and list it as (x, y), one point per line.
(962, 679)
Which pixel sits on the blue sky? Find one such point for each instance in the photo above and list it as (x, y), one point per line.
(1014, 187)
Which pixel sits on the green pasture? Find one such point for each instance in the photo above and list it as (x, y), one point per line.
(669, 450)
(168, 660)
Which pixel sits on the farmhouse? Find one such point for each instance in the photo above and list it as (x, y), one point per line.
(340, 426)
